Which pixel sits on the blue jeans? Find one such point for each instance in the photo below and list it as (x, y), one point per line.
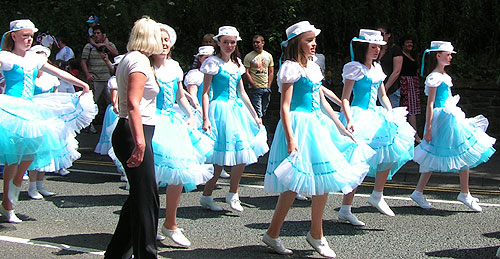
(260, 98)
(395, 98)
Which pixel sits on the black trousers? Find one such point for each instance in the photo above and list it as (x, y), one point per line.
(138, 223)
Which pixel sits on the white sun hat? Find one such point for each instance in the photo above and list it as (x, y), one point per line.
(40, 48)
(205, 50)
(117, 59)
(21, 24)
(441, 46)
(436, 46)
(227, 31)
(370, 36)
(297, 29)
(367, 36)
(170, 31)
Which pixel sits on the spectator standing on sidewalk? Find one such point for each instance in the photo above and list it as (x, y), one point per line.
(259, 67)
(95, 64)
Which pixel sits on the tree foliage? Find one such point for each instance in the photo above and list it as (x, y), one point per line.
(471, 25)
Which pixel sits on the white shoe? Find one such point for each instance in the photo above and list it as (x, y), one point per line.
(34, 194)
(234, 202)
(276, 245)
(469, 201)
(46, 193)
(127, 186)
(10, 215)
(160, 237)
(208, 203)
(176, 236)
(321, 246)
(350, 218)
(13, 194)
(123, 178)
(420, 200)
(26, 177)
(63, 172)
(301, 197)
(224, 174)
(381, 205)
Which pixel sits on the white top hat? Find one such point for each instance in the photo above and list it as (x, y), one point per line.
(22, 24)
(441, 46)
(170, 31)
(370, 36)
(40, 48)
(227, 31)
(117, 59)
(205, 50)
(297, 29)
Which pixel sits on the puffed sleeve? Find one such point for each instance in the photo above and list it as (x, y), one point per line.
(5, 62)
(112, 85)
(434, 79)
(193, 77)
(242, 69)
(210, 66)
(289, 73)
(179, 72)
(352, 71)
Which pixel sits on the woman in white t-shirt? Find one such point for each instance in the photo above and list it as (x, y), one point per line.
(137, 90)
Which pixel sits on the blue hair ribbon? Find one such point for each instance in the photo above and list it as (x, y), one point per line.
(350, 46)
(423, 58)
(285, 44)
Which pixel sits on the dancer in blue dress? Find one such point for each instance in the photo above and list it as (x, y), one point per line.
(180, 150)
(240, 137)
(383, 128)
(452, 143)
(304, 158)
(104, 146)
(111, 115)
(194, 85)
(34, 132)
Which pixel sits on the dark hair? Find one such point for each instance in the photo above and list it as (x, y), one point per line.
(405, 38)
(431, 62)
(258, 36)
(387, 29)
(234, 56)
(360, 49)
(98, 27)
(292, 51)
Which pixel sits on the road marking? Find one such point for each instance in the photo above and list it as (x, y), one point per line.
(51, 245)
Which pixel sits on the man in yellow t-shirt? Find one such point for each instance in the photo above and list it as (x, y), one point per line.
(259, 73)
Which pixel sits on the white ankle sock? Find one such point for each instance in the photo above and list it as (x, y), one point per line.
(377, 195)
(417, 192)
(32, 186)
(345, 208)
(207, 198)
(39, 184)
(232, 196)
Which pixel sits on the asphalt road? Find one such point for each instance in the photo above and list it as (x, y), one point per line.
(78, 222)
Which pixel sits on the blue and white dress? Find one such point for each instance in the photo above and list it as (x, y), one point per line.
(108, 124)
(458, 143)
(179, 151)
(238, 138)
(387, 132)
(317, 167)
(40, 128)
